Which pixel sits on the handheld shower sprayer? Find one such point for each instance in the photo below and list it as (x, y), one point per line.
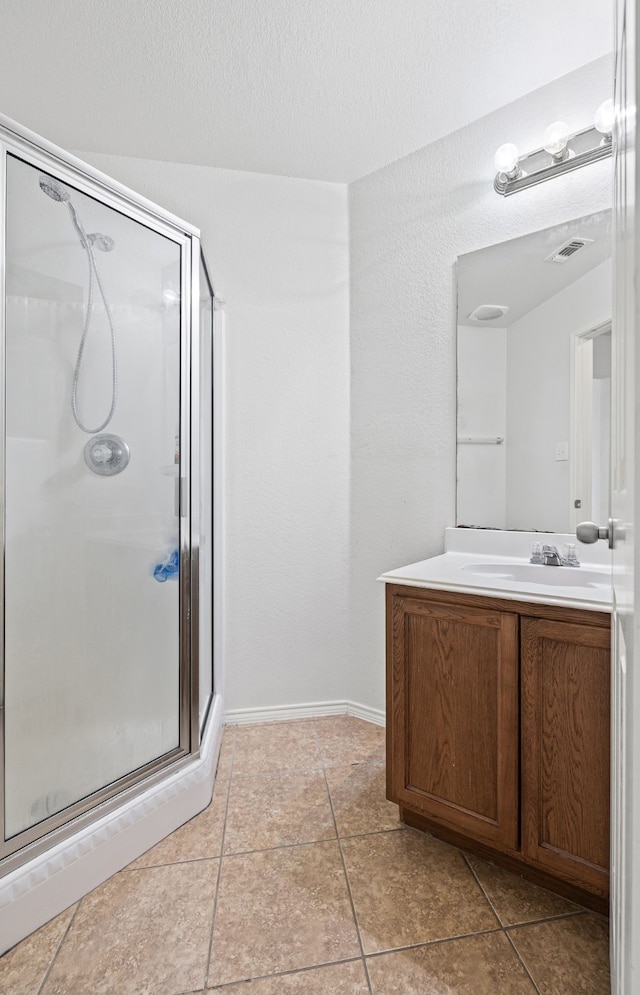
(58, 192)
(54, 189)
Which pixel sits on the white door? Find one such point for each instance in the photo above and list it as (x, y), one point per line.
(625, 494)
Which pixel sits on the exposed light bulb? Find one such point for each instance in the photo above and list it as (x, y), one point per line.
(555, 140)
(506, 160)
(604, 118)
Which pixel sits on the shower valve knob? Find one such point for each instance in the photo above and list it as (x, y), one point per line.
(102, 454)
(106, 455)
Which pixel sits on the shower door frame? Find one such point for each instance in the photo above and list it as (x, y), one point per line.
(31, 149)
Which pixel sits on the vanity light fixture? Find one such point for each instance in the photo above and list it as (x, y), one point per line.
(562, 151)
(604, 119)
(555, 140)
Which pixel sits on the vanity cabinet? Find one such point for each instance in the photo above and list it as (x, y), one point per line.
(454, 705)
(565, 675)
(498, 730)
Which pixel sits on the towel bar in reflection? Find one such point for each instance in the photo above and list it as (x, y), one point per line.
(480, 440)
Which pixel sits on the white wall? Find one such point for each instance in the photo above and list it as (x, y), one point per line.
(277, 250)
(408, 223)
(538, 406)
(309, 530)
(482, 413)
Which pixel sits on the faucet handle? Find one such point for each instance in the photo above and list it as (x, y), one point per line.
(536, 553)
(571, 556)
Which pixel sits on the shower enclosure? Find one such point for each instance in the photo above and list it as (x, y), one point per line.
(106, 339)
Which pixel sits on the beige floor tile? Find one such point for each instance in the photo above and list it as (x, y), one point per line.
(409, 888)
(281, 910)
(22, 969)
(275, 746)
(336, 979)
(516, 900)
(198, 838)
(142, 932)
(226, 753)
(359, 802)
(278, 809)
(567, 956)
(476, 965)
(345, 739)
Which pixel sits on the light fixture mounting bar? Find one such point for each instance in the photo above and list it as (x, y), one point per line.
(584, 147)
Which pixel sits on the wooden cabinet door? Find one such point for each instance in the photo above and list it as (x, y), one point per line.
(453, 716)
(565, 750)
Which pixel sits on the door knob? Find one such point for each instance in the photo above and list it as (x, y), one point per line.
(590, 532)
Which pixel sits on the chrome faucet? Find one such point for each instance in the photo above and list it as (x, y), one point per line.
(551, 557)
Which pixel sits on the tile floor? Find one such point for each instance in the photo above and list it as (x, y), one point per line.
(299, 880)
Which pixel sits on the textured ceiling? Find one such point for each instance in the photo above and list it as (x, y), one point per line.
(516, 273)
(324, 89)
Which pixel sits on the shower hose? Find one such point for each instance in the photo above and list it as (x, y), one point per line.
(86, 241)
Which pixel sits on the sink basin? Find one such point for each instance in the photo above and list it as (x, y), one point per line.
(533, 573)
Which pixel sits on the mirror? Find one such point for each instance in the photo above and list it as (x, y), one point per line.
(534, 379)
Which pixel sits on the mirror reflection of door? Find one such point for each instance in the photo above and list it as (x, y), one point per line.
(590, 425)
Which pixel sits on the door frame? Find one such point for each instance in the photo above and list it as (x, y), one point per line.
(581, 422)
(625, 513)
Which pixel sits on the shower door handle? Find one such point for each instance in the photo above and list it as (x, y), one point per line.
(183, 497)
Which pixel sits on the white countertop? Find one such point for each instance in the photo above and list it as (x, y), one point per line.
(461, 569)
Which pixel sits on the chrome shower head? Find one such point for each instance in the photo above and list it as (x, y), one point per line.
(54, 189)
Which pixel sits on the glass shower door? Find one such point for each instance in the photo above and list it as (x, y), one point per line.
(95, 691)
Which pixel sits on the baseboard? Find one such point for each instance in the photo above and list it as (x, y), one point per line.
(310, 710)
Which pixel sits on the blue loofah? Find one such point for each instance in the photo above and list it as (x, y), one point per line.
(170, 567)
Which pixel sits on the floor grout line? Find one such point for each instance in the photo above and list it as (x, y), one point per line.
(504, 930)
(481, 887)
(540, 922)
(169, 863)
(264, 849)
(378, 762)
(433, 943)
(525, 968)
(57, 950)
(330, 839)
(256, 775)
(346, 876)
(580, 910)
(279, 772)
(324, 764)
(219, 875)
(359, 763)
(284, 974)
